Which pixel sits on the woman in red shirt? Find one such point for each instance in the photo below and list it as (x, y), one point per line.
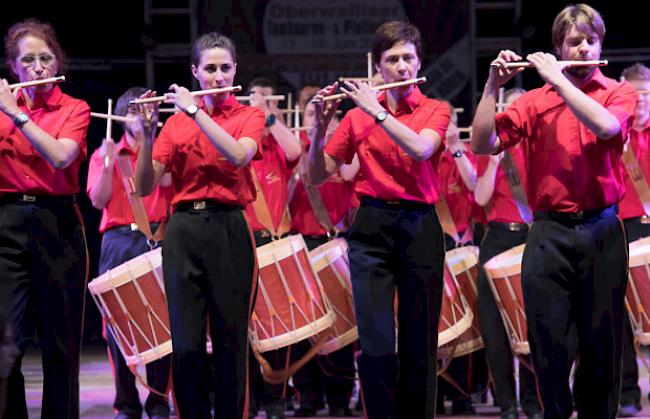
(209, 260)
(43, 260)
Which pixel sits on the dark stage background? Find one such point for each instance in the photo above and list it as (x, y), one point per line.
(107, 43)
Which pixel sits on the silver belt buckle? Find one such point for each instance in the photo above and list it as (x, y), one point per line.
(199, 205)
(514, 226)
(134, 227)
(29, 198)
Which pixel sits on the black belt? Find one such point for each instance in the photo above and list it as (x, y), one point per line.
(394, 205)
(499, 225)
(132, 227)
(206, 205)
(39, 200)
(579, 217)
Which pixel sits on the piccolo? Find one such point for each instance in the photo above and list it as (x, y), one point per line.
(380, 87)
(116, 118)
(269, 97)
(37, 82)
(526, 64)
(195, 93)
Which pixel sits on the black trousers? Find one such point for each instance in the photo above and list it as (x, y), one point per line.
(118, 246)
(210, 273)
(574, 279)
(499, 239)
(397, 247)
(630, 390)
(43, 270)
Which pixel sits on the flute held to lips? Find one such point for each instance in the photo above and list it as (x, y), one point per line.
(338, 96)
(37, 82)
(526, 64)
(195, 93)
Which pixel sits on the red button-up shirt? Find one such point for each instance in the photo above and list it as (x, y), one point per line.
(199, 171)
(459, 199)
(338, 197)
(630, 206)
(569, 168)
(117, 211)
(502, 207)
(388, 172)
(273, 172)
(25, 170)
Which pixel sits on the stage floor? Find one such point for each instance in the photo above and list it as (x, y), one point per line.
(97, 391)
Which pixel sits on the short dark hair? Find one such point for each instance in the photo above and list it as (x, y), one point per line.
(37, 29)
(637, 71)
(212, 40)
(392, 32)
(261, 82)
(122, 105)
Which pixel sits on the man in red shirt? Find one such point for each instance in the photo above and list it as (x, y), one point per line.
(574, 269)
(269, 218)
(123, 241)
(209, 260)
(396, 242)
(635, 219)
(281, 151)
(43, 259)
(318, 216)
(507, 228)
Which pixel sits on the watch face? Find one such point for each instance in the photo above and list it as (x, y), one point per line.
(381, 116)
(192, 109)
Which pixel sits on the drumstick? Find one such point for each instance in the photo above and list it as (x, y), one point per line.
(369, 61)
(270, 97)
(459, 110)
(109, 126)
(338, 96)
(465, 129)
(37, 82)
(116, 118)
(195, 93)
(526, 64)
(296, 121)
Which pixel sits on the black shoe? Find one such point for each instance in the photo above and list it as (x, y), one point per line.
(305, 412)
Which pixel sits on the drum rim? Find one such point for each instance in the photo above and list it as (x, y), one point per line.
(338, 342)
(121, 274)
(293, 336)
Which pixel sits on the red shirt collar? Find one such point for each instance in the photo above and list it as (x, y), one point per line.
(408, 104)
(226, 108)
(124, 145)
(597, 80)
(50, 99)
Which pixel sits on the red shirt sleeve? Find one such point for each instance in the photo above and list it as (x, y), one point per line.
(438, 120)
(163, 146)
(76, 126)
(514, 124)
(254, 129)
(341, 145)
(621, 104)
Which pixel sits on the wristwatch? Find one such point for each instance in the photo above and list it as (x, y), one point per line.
(270, 120)
(381, 116)
(456, 154)
(21, 119)
(191, 111)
